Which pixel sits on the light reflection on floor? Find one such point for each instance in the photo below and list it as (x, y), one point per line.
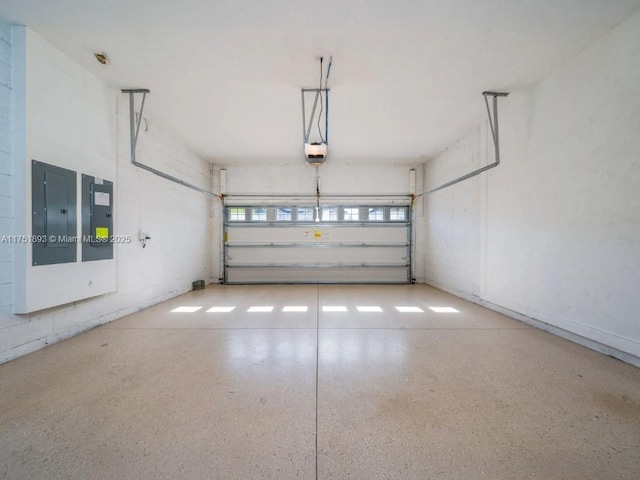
(291, 308)
(305, 308)
(185, 309)
(346, 348)
(221, 309)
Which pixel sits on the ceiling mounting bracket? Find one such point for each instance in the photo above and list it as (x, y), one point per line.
(493, 122)
(306, 129)
(134, 125)
(315, 151)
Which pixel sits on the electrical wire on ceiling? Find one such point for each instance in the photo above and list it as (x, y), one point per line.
(324, 109)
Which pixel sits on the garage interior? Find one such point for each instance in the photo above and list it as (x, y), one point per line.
(416, 222)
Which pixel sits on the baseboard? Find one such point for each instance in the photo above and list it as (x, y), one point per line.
(534, 322)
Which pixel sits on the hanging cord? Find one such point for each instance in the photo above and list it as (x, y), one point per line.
(317, 195)
(326, 101)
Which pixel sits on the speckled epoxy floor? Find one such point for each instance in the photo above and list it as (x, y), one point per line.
(318, 392)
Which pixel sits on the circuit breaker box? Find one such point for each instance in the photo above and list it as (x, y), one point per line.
(53, 225)
(97, 219)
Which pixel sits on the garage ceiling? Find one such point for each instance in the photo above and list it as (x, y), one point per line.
(406, 80)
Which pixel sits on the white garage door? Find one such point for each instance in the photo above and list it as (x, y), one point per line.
(325, 244)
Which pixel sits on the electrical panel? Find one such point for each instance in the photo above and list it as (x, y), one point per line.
(53, 200)
(97, 219)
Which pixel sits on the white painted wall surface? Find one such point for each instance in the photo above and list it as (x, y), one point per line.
(6, 189)
(554, 232)
(452, 257)
(336, 178)
(177, 219)
(69, 123)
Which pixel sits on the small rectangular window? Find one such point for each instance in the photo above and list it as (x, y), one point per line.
(351, 214)
(330, 214)
(237, 214)
(376, 214)
(398, 214)
(283, 214)
(305, 214)
(259, 214)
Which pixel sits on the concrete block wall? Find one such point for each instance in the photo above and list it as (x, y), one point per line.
(177, 219)
(336, 178)
(452, 256)
(551, 235)
(6, 265)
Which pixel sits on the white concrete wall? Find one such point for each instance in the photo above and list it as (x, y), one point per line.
(336, 178)
(452, 241)
(554, 232)
(177, 219)
(6, 127)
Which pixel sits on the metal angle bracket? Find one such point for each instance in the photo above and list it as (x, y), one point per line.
(135, 126)
(493, 122)
(306, 129)
(135, 130)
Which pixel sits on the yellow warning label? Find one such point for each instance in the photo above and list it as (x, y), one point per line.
(226, 237)
(102, 233)
(317, 233)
